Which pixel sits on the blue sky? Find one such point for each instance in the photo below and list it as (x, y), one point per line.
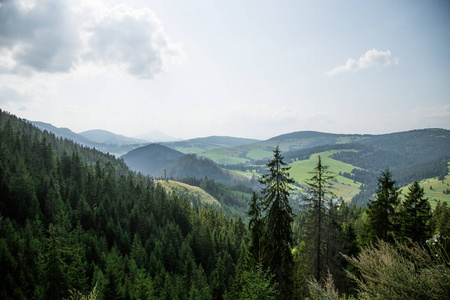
(239, 68)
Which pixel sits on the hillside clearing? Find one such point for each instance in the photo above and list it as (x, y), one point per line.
(189, 191)
(434, 189)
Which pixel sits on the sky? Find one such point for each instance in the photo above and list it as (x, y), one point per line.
(252, 69)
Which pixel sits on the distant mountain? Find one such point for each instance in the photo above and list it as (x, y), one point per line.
(113, 148)
(156, 137)
(190, 165)
(65, 133)
(106, 137)
(199, 145)
(151, 159)
(308, 139)
(411, 155)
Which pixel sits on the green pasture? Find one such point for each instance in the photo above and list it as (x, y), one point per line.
(344, 187)
(433, 189)
(248, 174)
(300, 169)
(222, 157)
(258, 154)
(190, 149)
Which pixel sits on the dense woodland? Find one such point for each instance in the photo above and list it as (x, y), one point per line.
(75, 222)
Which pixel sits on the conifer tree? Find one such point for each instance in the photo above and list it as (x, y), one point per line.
(415, 213)
(277, 221)
(319, 188)
(255, 226)
(382, 211)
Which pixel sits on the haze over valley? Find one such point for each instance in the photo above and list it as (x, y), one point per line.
(355, 159)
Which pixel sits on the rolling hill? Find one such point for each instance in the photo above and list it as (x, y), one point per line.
(198, 145)
(429, 143)
(151, 159)
(248, 153)
(411, 156)
(192, 166)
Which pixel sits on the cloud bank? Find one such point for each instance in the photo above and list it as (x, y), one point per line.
(372, 58)
(55, 36)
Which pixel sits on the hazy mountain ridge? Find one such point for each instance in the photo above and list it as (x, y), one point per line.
(106, 137)
(84, 139)
(156, 137)
(63, 132)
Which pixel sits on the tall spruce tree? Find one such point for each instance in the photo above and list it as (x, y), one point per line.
(277, 223)
(319, 188)
(415, 213)
(381, 212)
(255, 226)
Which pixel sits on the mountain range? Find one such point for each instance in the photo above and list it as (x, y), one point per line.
(102, 140)
(411, 155)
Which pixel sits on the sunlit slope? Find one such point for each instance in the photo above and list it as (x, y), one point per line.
(188, 191)
(435, 190)
(200, 145)
(286, 142)
(343, 187)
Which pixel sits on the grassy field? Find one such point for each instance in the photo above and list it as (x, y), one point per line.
(223, 157)
(258, 154)
(190, 150)
(433, 189)
(183, 189)
(344, 187)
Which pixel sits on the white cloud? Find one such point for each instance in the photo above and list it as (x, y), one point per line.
(372, 58)
(40, 36)
(132, 39)
(55, 36)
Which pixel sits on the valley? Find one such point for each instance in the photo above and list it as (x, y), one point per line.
(405, 153)
(157, 222)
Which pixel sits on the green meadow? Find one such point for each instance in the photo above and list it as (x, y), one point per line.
(300, 171)
(258, 154)
(344, 187)
(434, 189)
(223, 157)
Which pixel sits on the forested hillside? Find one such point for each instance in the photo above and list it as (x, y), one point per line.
(411, 156)
(100, 140)
(151, 159)
(75, 219)
(192, 166)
